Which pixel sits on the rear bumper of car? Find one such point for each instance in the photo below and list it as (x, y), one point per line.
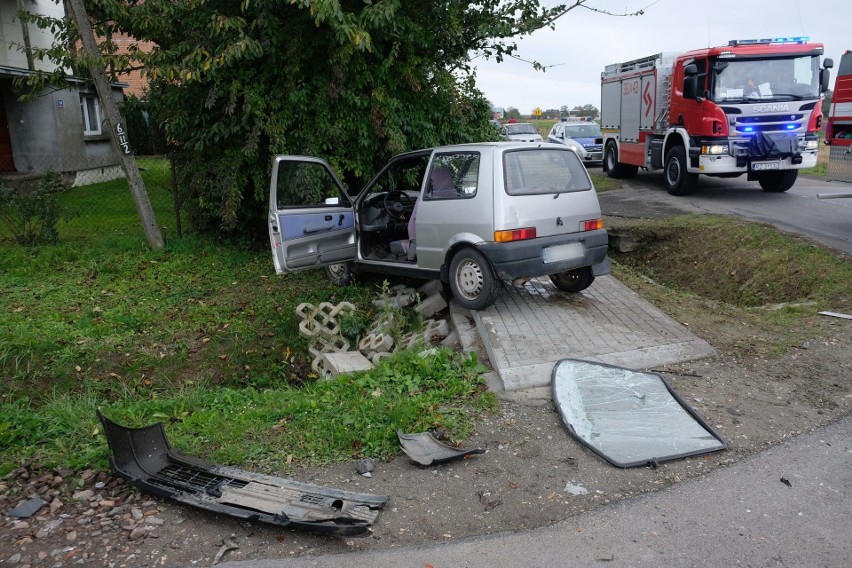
(528, 258)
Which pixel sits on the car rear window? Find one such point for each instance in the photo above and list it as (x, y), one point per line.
(543, 170)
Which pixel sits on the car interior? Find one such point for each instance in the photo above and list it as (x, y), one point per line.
(387, 212)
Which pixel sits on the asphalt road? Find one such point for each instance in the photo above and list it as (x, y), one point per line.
(797, 211)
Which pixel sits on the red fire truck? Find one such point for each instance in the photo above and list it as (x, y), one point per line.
(838, 128)
(751, 107)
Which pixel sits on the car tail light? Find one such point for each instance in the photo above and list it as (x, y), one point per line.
(591, 224)
(514, 235)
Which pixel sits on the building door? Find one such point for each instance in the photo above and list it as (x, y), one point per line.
(7, 164)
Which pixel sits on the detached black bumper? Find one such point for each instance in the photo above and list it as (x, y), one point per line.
(144, 457)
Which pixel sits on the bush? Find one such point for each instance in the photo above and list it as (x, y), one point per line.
(32, 214)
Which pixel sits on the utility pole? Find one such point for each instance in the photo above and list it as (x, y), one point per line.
(116, 125)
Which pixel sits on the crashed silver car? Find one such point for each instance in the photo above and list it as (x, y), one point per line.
(469, 215)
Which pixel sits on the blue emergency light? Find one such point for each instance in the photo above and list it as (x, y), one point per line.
(771, 40)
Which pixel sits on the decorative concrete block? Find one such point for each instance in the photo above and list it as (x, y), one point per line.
(335, 364)
(323, 319)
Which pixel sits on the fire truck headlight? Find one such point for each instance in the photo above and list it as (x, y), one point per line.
(811, 144)
(715, 149)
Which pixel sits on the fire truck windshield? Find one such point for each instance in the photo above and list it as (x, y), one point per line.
(777, 79)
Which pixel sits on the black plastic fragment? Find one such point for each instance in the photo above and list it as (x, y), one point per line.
(144, 457)
(27, 508)
(424, 449)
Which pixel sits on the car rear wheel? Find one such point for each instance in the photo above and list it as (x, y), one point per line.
(340, 273)
(573, 281)
(614, 169)
(472, 280)
(778, 182)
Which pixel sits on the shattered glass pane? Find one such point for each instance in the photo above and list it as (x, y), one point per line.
(629, 418)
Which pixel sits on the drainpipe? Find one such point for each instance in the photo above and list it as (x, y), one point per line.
(25, 30)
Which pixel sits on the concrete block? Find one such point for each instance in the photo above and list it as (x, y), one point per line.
(399, 296)
(376, 357)
(435, 328)
(335, 364)
(431, 305)
(431, 328)
(452, 341)
(431, 288)
(376, 342)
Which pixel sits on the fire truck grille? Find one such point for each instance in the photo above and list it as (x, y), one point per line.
(746, 125)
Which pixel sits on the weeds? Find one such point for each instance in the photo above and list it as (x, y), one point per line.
(33, 214)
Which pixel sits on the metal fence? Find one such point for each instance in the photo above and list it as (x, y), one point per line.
(94, 197)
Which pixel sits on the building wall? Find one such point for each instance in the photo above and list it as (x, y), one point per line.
(48, 133)
(12, 36)
(137, 82)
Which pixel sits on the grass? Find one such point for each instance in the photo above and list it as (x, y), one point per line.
(751, 290)
(603, 182)
(268, 429)
(201, 334)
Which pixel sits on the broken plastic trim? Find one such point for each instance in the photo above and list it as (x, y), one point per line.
(144, 457)
(424, 449)
(629, 418)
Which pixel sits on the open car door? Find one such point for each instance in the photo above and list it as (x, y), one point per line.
(311, 219)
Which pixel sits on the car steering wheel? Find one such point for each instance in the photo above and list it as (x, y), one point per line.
(398, 202)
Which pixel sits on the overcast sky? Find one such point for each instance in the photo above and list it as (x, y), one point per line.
(584, 42)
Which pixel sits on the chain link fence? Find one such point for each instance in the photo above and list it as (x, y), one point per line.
(91, 199)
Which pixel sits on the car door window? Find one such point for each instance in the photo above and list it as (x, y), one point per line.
(453, 176)
(310, 184)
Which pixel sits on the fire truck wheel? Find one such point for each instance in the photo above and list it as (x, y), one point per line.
(613, 168)
(678, 180)
(777, 182)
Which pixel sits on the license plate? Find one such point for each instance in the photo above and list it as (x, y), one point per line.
(558, 253)
(764, 166)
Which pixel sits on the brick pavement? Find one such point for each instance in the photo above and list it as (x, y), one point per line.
(531, 327)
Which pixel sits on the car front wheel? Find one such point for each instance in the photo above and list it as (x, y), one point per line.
(573, 281)
(340, 273)
(472, 280)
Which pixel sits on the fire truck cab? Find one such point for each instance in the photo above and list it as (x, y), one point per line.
(751, 107)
